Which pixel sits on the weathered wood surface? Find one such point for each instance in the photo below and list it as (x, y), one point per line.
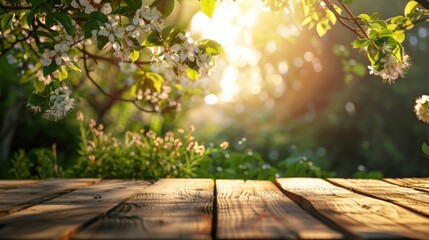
(357, 215)
(15, 199)
(414, 200)
(8, 184)
(421, 184)
(168, 209)
(297, 208)
(259, 210)
(61, 217)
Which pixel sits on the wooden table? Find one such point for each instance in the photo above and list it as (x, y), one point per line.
(289, 208)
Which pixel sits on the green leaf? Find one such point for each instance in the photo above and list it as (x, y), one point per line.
(134, 4)
(39, 86)
(153, 40)
(399, 36)
(169, 33)
(347, 1)
(156, 79)
(36, 100)
(364, 17)
(425, 149)
(102, 41)
(124, 10)
(89, 27)
(192, 74)
(210, 47)
(164, 6)
(49, 69)
(63, 74)
(44, 34)
(134, 56)
(30, 15)
(65, 20)
(411, 5)
(360, 43)
(208, 6)
(99, 16)
(385, 33)
(6, 21)
(321, 30)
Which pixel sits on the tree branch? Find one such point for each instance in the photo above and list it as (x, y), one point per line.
(13, 8)
(423, 3)
(353, 18)
(87, 70)
(339, 17)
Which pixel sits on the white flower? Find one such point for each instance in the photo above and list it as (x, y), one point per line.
(106, 9)
(392, 68)
(61, 104)
(422, 108)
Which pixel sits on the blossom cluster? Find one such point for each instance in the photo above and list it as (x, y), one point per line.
(392, 66)
(128, 38)
(422, 108)
(60, 104)
(90, 6)
(175, 59)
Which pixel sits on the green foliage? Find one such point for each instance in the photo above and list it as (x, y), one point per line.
(39, 163)
(142, 155)
(364, 173)
(208, 7)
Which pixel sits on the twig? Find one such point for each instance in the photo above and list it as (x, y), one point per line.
(339, 17)
(423, 3)
(354, 19)
(87, 70)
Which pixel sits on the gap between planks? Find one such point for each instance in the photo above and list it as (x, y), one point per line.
(259, 210)
(27, 195)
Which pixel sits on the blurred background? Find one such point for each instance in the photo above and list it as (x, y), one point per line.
(279, 90)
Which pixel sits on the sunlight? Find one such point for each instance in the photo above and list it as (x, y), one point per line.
(234, 22)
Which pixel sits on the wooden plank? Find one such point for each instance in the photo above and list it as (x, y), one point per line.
(409, 198)
(13, 200)
(61, 217)
(8, 184)
(421, 184)
(360, 216)
(259, 210)
(169, 209)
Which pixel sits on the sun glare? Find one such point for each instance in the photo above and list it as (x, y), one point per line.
(231, 26)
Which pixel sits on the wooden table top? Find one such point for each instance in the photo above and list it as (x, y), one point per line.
(289, 208)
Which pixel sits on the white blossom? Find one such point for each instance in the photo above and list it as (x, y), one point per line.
(392, 67)
(422, 108)
(90, 6)
(61, 104)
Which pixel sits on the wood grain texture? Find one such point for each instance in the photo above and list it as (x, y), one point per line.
(421, 184)
(13, 200)
(63, 216)
(361, 216)
(168, 209)
(8, 184)
(259, 210)
(409, 198)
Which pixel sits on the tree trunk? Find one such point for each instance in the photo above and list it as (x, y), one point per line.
(8, 128)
